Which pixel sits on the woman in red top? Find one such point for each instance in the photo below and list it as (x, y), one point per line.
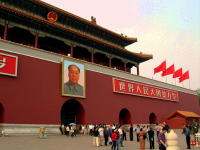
(114, 138)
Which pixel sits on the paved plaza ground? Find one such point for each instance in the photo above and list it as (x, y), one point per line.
(62, 142)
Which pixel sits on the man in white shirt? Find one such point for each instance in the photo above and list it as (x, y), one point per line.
(121, 136)
(101, 135)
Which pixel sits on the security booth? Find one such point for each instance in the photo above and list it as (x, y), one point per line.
(180, 118)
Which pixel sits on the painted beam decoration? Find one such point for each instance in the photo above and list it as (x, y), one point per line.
(141, 89)
(8, 64)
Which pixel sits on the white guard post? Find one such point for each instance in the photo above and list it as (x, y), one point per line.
(172, 141)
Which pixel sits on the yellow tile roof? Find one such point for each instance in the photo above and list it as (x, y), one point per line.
(188, 114)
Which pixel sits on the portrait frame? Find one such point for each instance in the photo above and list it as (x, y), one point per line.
(66, 62)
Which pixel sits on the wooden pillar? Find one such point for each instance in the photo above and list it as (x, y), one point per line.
(125, 66)
(5, 34)
(71, 50)
(92, 56)
(36, 40)
(110, 61)
(138, 71)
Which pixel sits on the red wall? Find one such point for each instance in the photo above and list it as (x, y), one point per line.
(34, 97)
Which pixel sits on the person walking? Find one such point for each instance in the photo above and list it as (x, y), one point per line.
(114, 138)
(151, 137)
(187, 132)
(162, 139)
(72, 131)
(91, 129)
(96, 137)
(101, 136)
(106, 135)
(62, 129)
(120, 130)
(142, 138)
(124, 134)
(118, 138)
(158, 128)
(110, 130)
(67, 130)
(137, 130)
(131, 132)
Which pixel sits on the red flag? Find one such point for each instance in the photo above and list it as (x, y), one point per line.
(168, 71)
(184, 76)
(177, 73)
(161, 67)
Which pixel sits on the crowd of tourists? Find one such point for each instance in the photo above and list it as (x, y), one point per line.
(69, 130)
(108, 135)
(115, 135)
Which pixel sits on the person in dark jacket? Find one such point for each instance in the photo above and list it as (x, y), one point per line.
(106, 135)
(187, 132)
(62, 129)
(151, 138)
(131, 132)
(124, 134)
(96, 137)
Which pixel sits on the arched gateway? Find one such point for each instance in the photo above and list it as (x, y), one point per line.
(1, 113)
(124, 116)
(152, 118)
(72, 112)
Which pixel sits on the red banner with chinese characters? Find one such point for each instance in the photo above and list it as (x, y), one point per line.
(8, 64)
(140, 89)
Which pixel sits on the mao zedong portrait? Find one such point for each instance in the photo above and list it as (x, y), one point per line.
(72, 87)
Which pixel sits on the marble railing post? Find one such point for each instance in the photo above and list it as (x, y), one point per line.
(172, 141)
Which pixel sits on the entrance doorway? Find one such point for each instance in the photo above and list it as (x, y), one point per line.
(72, 112)
(152, 118)
(124, 116)
(1, 113)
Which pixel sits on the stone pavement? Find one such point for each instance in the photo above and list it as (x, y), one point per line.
(62, 142)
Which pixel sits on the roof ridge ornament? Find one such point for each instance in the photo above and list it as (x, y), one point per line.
(93, 20)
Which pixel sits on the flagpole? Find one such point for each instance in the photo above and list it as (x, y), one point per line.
(173, 73)
(154, 76)
(189, 83)
(180, 76)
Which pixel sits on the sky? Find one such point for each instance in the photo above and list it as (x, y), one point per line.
(167, 29)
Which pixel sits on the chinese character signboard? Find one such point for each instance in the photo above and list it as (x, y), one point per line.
(8, 64)
(140, 89)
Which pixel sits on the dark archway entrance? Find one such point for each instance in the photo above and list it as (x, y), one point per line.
(152, 118)
(124, 117)
(72, 112)
(1, 113)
